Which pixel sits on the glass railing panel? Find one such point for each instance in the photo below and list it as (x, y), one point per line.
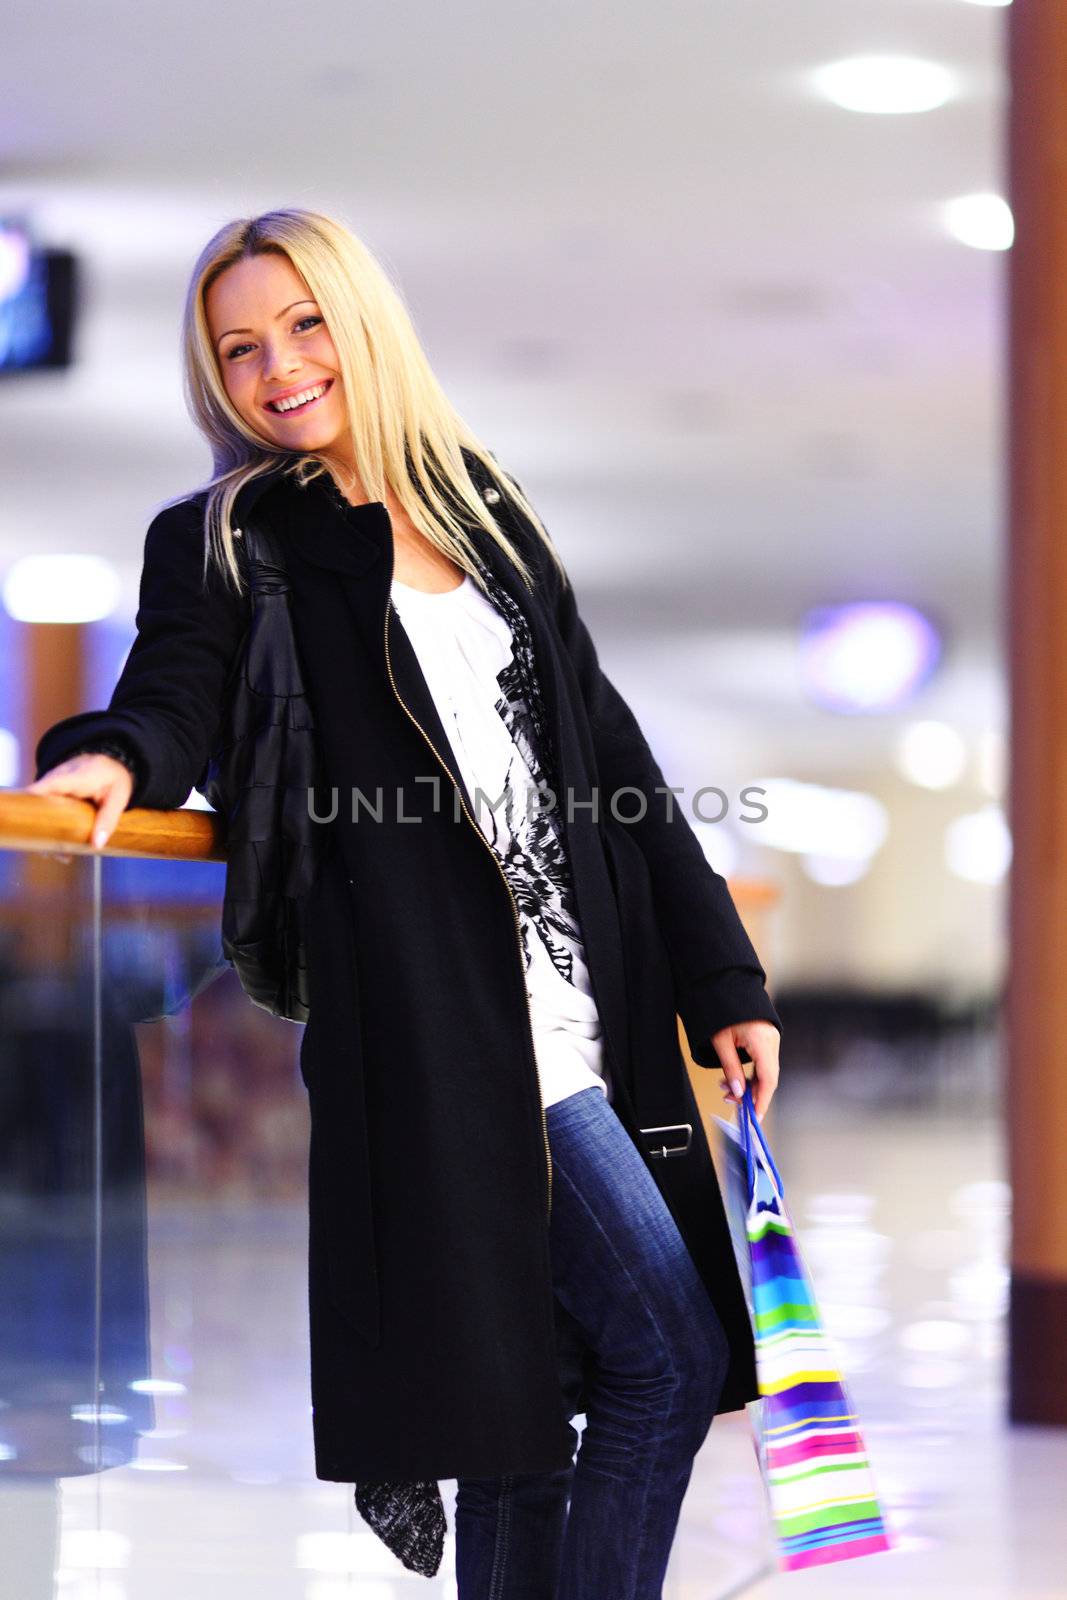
(64, 1414)
(221, 1496)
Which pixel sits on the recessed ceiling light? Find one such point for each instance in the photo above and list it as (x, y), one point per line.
(983, 221)
(885, 84)
(866, 655)
(931, 754)
(978, 845)
(815, 820)
(60, 588)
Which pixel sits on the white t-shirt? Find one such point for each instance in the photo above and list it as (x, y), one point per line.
(465, 648)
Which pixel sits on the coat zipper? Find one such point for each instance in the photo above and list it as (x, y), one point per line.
(507, 886)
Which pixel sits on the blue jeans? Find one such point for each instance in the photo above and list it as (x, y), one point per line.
(634, 1316)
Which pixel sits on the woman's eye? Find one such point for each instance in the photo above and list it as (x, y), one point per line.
(235, 350)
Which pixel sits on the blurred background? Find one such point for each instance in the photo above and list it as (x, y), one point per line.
(725, 286)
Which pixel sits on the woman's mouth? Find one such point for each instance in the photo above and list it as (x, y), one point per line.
(294, 405)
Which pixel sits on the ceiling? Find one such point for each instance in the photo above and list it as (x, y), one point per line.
(714, 324)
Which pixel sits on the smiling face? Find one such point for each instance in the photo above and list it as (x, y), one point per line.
(278, 362)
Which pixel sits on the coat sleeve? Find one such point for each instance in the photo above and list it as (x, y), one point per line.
(167, 704)
(717, 974)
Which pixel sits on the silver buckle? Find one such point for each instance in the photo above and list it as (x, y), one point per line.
(674, 1149)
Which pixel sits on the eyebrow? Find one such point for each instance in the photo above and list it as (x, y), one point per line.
(281, 314)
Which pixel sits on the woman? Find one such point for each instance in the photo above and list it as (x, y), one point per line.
(514, 1218)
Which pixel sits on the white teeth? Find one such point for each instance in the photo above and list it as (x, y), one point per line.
(294, 400)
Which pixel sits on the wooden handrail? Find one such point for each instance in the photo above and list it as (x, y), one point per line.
(60, 823)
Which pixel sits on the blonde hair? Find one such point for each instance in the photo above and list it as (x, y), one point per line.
(404, 431)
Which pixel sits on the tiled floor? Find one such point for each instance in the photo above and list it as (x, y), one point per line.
(902, 1212)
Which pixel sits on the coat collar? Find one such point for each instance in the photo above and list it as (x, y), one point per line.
(317, 520)
(251, 492)
(325, 529)
(318, 525)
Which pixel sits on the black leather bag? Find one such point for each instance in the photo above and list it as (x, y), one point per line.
(258, 778)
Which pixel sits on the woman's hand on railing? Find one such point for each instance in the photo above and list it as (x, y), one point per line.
(96, 777)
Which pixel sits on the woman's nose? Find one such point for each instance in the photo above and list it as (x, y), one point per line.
(279, 361)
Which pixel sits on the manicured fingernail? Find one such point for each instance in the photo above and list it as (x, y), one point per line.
(737, 1086)
(98, 839)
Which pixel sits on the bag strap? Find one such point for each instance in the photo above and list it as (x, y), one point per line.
(750, 1124)
(264, 558)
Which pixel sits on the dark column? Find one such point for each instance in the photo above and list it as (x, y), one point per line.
(1035, 1032)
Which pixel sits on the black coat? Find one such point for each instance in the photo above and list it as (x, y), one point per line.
(431, 1307)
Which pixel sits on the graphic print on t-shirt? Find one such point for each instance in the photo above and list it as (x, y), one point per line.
(476, 653)
(532, 853)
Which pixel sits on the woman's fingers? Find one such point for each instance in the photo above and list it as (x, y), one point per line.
(108, 813)
(766, 1081)
(730, 1062)
(99, 778)
(760, 1039)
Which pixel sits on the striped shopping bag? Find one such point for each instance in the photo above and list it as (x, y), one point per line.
(811, 1455)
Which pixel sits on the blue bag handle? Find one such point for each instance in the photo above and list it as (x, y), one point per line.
(746, 1112)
